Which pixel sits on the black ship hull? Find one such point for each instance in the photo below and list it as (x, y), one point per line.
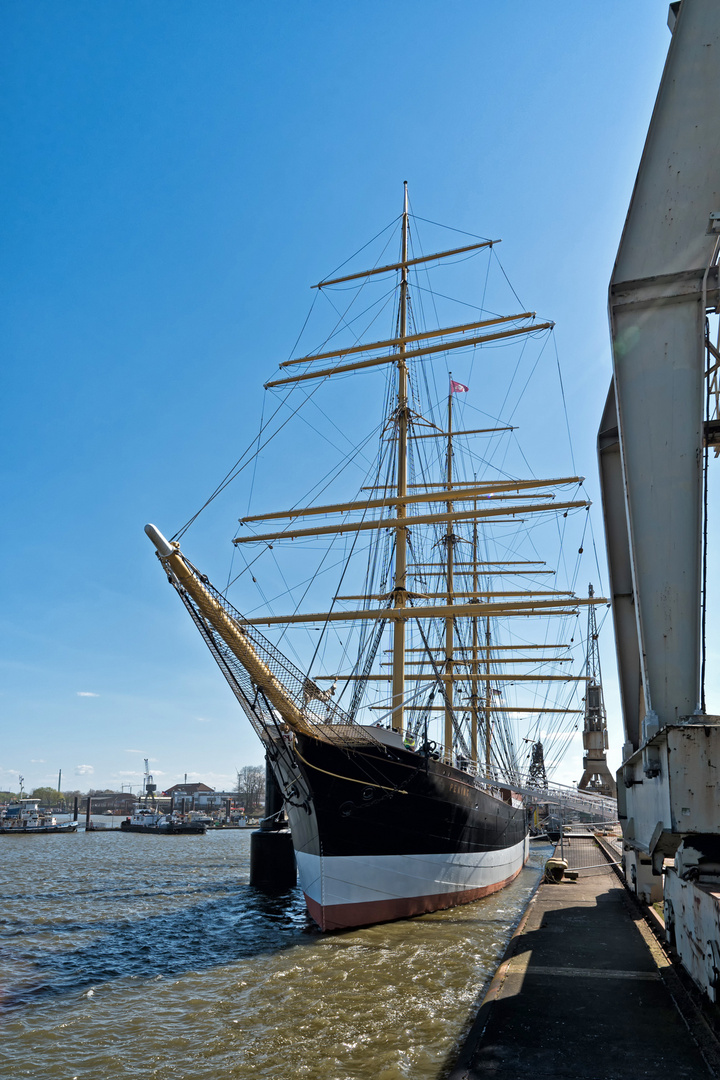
(381, 832)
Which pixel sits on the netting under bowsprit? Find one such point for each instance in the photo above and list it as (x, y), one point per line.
(319, 712)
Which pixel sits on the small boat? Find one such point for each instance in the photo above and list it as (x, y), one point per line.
(25, 816)
(178, 823)
(148, 820)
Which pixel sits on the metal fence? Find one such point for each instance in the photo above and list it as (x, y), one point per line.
(582, 852)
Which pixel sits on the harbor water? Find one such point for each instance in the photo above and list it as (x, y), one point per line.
(152, 957)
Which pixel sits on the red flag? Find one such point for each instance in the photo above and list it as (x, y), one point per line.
(458, 387)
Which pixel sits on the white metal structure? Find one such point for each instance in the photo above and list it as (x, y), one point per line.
(651, 463)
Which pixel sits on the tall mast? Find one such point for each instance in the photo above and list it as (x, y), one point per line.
(488, 701)
(400, 585)
(474, 667)
(449, 621)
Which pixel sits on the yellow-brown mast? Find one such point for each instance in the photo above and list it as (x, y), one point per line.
(449, 621)
(474, 661)
(488, 702)
(400, 584)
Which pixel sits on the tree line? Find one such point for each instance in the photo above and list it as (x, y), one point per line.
(251, 788)
(50, 796)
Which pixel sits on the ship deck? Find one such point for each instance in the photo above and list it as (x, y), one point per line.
(586, 990)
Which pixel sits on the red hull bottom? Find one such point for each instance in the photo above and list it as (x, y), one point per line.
(347, 916)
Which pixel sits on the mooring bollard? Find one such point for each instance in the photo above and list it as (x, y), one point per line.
(272, 858)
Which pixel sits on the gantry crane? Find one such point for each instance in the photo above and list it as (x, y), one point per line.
(652, 444)
(596, 774)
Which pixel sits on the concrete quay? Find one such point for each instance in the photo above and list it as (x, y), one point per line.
(586, 991)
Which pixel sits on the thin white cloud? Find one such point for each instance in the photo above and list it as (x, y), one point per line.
(84, 770)
(132, 751)
(86, 693)
(37, 760)
(203, 720)
(136, 772)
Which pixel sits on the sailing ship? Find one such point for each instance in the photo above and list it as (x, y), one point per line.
(410, 801)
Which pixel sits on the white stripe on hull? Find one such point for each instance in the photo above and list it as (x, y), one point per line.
(358, 890)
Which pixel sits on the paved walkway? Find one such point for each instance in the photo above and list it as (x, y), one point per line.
(584, 993)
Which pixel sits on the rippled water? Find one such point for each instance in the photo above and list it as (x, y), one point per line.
(145, 956)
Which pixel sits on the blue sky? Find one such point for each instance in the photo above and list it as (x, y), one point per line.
(174, 178)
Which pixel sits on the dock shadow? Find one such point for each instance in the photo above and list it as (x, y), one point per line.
(588, 997)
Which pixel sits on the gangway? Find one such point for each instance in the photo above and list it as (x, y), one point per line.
(599, 807)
